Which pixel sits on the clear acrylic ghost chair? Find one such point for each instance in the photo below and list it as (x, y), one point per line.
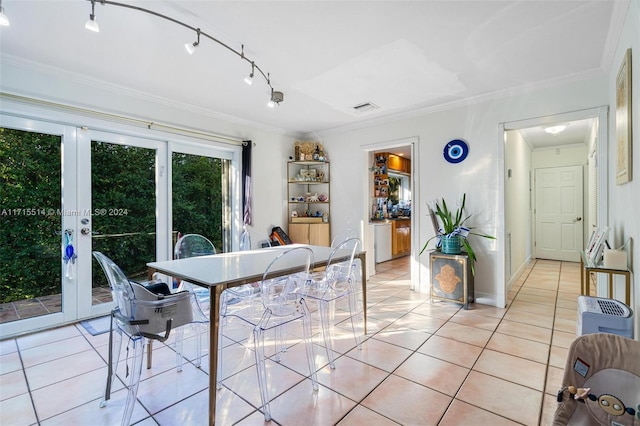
(141, 315)
(281, 303)
(337, 281)
(342, 236)
(194, 245)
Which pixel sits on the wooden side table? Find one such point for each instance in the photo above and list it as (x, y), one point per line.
(451, 278)
(587, 267)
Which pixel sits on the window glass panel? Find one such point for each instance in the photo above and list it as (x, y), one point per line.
(123, 191)
(30, 220)
(198, 196)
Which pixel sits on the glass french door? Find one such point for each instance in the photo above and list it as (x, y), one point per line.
(36, 225)
(67, 191)
(120, 196)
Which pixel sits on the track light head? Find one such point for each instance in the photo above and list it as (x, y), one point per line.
(4, 20)
(276, 98)
(191, 47)
(249, 79)
(91, 24)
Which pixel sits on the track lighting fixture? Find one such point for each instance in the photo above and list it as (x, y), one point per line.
(191, 47)
(276, 96)
(4, 20)
(249, 79)
(91, 24)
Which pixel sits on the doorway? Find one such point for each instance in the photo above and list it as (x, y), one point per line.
(558, 212)
(522, 157)
(410, 184)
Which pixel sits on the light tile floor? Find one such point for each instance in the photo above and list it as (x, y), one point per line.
(420, 364)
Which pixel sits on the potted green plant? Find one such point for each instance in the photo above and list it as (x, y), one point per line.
(451, 234)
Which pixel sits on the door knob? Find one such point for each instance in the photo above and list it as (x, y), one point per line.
(85, 231)
(577, 219)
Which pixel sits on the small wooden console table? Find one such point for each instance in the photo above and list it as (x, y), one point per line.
(588, 266)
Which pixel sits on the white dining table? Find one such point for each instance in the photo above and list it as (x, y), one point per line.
(225, 270)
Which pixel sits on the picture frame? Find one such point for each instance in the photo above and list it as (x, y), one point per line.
(624, 141)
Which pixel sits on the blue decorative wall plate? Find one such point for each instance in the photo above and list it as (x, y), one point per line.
(456, 151)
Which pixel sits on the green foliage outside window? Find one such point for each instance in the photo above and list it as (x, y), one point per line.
(123, 187)
(30, 179)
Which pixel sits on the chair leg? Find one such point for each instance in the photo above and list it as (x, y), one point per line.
(134, 379)
(200, 329)
(356, 319)
(115, 344)
(219, 368)
(327, 327)
(149, 353)
(258, 343)
(311, 357)
(178, 346)
(280, 346)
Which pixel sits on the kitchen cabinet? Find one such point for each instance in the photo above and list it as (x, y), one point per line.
(400, 237)
(398, 164)
(317, 234)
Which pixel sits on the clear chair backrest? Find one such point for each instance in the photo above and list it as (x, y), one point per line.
(340, 271)
(343, 236)
(192, 245)
(121, 289)
(279, 293)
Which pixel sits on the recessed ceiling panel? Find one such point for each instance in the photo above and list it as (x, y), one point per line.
(394, 76)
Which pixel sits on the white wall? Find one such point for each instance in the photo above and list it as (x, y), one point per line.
(624, 200)
(480, 175)
(517, 203)
(574, 155)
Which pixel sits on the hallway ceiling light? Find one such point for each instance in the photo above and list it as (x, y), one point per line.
(554, 130)
(4, 20)
(276, 96)
(91, 24)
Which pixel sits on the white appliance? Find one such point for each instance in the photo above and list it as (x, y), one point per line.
(599, 315)
(382, 242)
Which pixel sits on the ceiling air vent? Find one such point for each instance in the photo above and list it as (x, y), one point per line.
(365, 107)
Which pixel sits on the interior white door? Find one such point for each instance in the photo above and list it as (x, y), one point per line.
(559, 213)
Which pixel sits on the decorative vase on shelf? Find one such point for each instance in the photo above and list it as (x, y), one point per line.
(451, 245)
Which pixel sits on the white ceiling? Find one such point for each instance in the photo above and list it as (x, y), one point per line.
(326, 56)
